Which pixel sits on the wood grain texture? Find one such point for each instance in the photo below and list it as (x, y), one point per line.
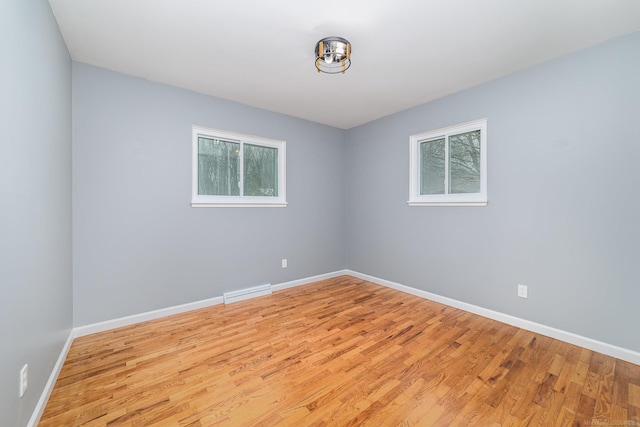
(341, 352)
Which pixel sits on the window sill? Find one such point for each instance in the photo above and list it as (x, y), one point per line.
(446, 203)
(238, 205)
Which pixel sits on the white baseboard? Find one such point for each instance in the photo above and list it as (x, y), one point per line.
(93, 328)
(163, 312)
(48, 387)
(308, 280)
(569, 337)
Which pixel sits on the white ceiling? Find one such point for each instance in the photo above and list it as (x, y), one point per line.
(404, 52)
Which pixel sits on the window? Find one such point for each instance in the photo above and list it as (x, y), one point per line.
(231, 169)
(449, 166)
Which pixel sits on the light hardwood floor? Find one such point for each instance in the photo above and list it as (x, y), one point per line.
(338, 352)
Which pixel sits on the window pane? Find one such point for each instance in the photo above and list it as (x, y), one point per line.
(464, 163)
(432, 167)
(218, 167)
(260, 171)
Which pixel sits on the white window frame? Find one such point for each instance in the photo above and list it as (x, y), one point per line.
(199, 200)
(456, 199)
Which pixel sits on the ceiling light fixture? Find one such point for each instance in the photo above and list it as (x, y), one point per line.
(333, 55)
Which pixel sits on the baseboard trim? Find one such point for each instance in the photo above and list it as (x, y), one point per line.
(107, 325)
(308, 280)
(569, 337)
(48, 387)
(93, 328)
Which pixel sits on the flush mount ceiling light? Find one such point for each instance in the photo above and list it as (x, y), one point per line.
(333, 55)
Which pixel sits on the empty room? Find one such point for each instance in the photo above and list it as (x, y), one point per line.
(279, 213)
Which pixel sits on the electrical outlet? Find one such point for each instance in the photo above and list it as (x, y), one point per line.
(522, 291)
(24, 379)
(284, 263)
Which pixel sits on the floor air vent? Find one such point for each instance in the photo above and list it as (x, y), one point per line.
(243, 294)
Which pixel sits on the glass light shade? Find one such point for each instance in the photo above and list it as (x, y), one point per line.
(333, 55)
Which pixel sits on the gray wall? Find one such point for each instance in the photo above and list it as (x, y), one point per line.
(138, 243)
(35, 201)
(563, 177)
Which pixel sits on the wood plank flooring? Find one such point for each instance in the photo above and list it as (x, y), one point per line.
(341, 352)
